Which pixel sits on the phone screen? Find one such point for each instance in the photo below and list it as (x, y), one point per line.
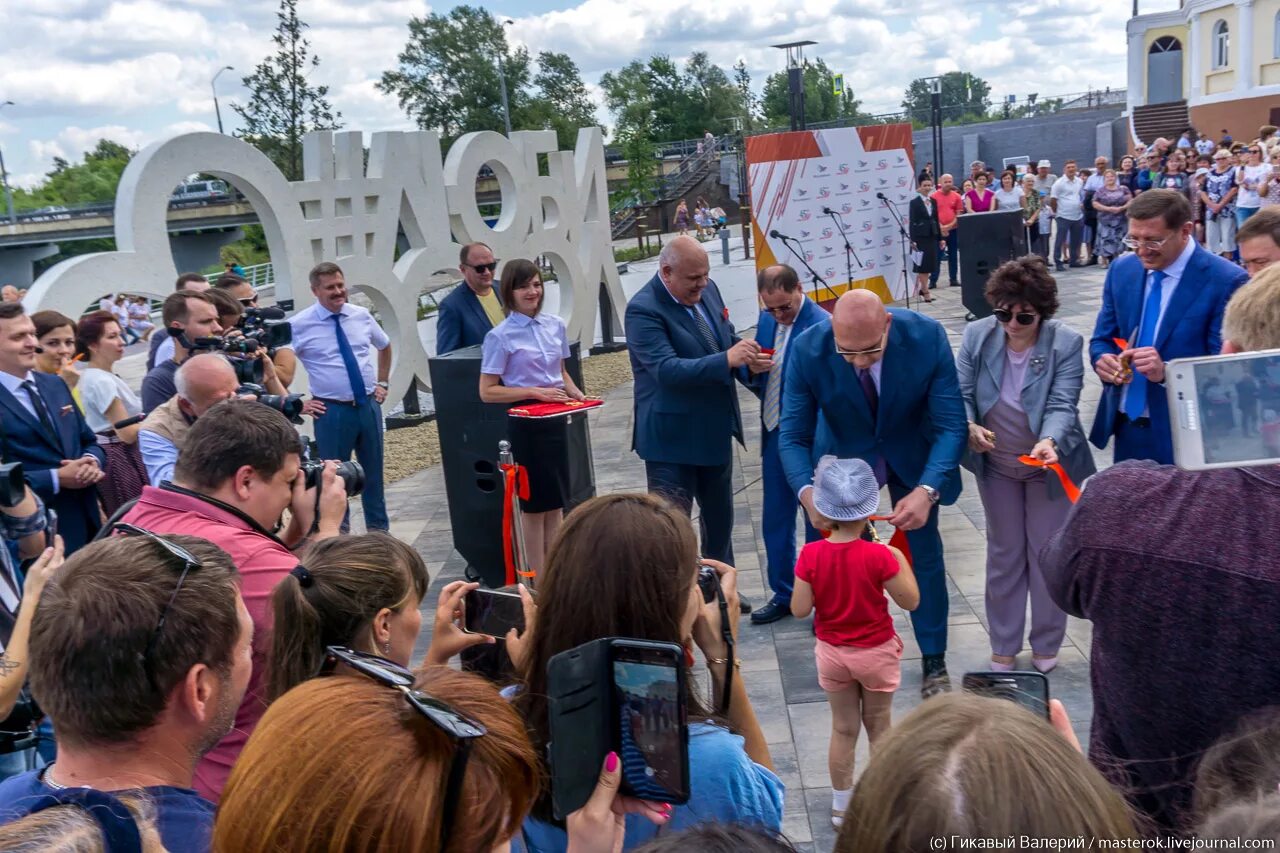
(1028, 689)
(1239, 409)
(651, 729)
(492, 613)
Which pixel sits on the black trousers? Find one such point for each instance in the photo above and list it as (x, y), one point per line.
(712, 487)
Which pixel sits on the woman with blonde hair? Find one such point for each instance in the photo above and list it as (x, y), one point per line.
(977, 767)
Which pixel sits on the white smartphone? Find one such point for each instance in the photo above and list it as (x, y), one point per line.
(1225, 410)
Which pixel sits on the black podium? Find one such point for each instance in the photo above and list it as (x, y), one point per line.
(987, 240)
(469, 434)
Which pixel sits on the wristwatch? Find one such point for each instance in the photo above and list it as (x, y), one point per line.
(934, 497)
(383, 385)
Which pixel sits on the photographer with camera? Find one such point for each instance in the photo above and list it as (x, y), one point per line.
(188, 315)
(203, 380)
(161, 344)
(246, 345)
(239, 468)
(1166, 595)
(254, 317)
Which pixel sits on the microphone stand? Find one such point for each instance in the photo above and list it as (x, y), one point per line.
(906, 241)
(850, 256)
(787, 241)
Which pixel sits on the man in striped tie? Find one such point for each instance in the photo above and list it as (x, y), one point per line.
(686, 360)
(785, 314)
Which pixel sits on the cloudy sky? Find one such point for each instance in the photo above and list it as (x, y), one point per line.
(139, 70)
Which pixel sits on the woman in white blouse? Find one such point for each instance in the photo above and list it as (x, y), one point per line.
(523, 361)
(107, 400)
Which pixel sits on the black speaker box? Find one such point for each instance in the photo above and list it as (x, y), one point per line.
(987, 240)
(469, 434)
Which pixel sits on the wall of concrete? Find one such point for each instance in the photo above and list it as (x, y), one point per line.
(17, 265)
(1071, 134)
(194, 252)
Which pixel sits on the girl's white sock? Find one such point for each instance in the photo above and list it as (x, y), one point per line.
(840, 799)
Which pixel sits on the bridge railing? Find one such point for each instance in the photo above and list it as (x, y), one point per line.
(258, 275)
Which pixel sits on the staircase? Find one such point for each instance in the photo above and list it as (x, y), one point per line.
(1152, 121)
(689, 172)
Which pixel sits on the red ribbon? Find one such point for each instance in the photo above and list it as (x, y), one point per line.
(1072, 490)
(897, 540)
(515, 481)
(1121, 342)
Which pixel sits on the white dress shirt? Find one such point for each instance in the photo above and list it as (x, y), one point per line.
(315, 342)
(1172, 276)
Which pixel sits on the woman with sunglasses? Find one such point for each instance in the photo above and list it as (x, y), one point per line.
(626, 565)
(1020, 375)
(1249, 178)
(523, 361)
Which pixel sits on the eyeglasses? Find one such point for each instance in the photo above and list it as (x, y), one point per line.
(483, 268)
(190, 562)
(858, 352)
(1148, 245)
(776, 311)
(249, 301)
(461, 729)
(1255, 150)
(1024, 318)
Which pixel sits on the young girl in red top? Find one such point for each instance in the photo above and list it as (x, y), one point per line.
(845, 578)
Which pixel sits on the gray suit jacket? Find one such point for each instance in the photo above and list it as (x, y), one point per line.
(1050, 394)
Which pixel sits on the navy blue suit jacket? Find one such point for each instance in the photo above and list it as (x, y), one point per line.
(686, 403)
(921, 430)
(27, 442)
(811, 314)
(1192, 326)
(461, 321)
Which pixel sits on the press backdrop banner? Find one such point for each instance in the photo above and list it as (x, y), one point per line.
(792, 176)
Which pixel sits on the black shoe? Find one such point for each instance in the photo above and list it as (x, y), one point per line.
(1075, 265)
(1093, 261)
(743, 605)
(955, 283)
(936, 680)
(771, 612)
(1058, 266)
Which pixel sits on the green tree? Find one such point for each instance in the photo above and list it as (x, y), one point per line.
(94, 180)
(642, 164)
(748, 103)
(283, 104)
(821, 103)
(965, 98)
(562, 103)
(673, 103)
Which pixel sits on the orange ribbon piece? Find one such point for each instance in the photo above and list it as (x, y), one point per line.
(1121, 342)
(515, 480)
(1072, 490)
(897, 540)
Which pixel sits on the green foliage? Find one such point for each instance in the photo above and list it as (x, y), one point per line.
(635, 253)
(642, 163)
(450, 79)
(965, 98)
(248, 251)
(283, 105)
(821, 103)
(747, 99)
(672, 103)
(94, 180)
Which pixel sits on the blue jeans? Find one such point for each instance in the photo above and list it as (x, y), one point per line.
(712, 487)
(951, 252)
(778, 520)
(345, 428)
(1243, 213)
(929, 620)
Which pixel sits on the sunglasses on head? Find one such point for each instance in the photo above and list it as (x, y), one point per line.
(459, 728)
(483, 268)
(190, 563)
(1024, 318)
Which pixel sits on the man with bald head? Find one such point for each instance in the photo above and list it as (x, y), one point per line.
(686, 357)
(202, 381)
(880, 385)
(786, 313)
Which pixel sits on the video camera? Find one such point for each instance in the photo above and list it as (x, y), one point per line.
(267, 326)
(289, 405)
(351, 472)
(13, 488)
(239, 351)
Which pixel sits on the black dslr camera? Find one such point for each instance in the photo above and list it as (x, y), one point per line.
(289, 405)
(13, 488)
(238, 351)
(267, 326)
(351, 472)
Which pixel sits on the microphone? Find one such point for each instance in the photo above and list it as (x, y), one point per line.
(775, 234)
(881, 197)
(128, 422)
(828, 211)
(39, 350)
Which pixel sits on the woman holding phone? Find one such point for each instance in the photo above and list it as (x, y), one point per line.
(649, 591)
(1020, 375)
(523, 361)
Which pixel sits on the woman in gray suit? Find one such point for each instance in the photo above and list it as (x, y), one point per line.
(1020, 374)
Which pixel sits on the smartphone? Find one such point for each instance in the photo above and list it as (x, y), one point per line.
(650, 706)
(1028, 689)
(491, 612)
(1225, 410)
(50, 528)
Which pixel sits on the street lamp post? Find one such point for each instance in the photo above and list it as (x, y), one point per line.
(4, 174)
(795, 80)
(213, 84)
(502, 79)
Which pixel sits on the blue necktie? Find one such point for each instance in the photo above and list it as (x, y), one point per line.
(1135, 403)
(354, 376)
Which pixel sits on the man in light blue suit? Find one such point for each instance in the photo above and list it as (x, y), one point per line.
(787, 313)
(884, 383)
(1166, 300)
(686, 359)
(468, 313)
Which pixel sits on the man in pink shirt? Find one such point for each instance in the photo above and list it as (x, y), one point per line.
(237, 471)
(950, 205)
